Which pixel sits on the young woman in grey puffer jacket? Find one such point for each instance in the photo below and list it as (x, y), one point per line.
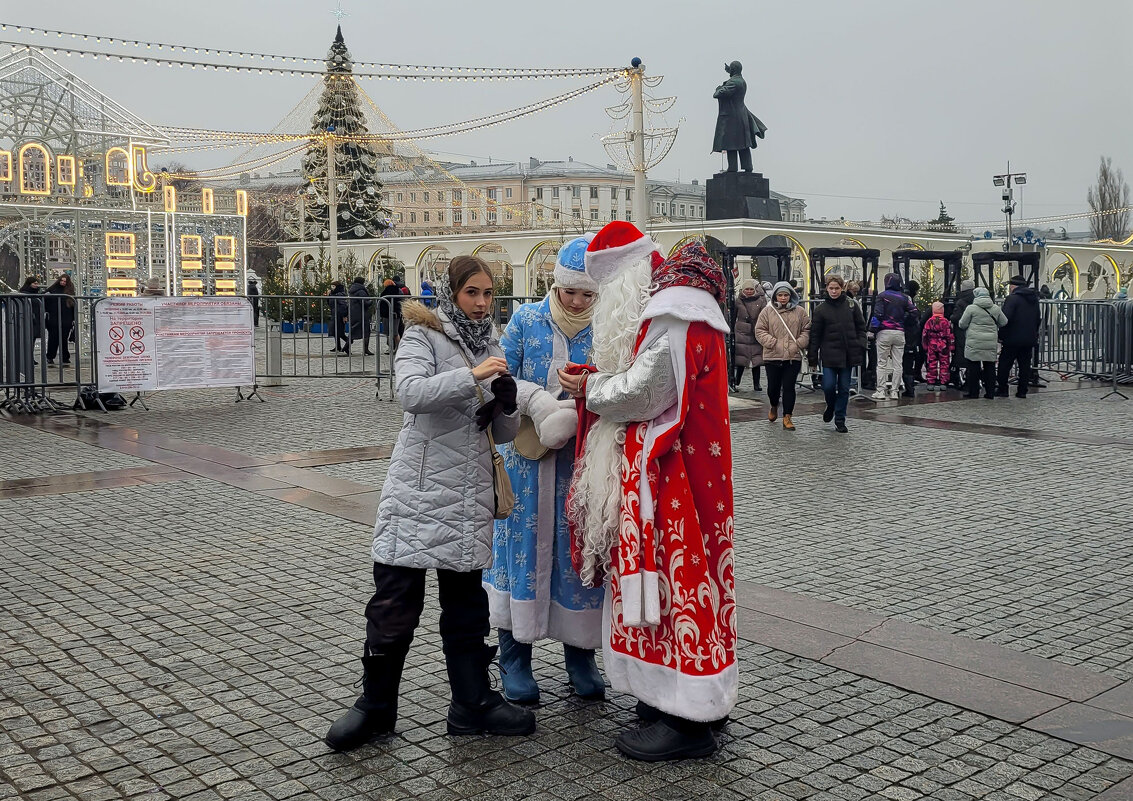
(437, 510)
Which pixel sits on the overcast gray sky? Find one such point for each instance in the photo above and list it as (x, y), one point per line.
(873, 106)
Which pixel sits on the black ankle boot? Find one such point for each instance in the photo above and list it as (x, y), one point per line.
(668, 738)
(375, 711)
(476, 708)
(651, 714)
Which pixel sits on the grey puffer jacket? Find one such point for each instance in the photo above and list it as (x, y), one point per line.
(981, 322)
(438, 502)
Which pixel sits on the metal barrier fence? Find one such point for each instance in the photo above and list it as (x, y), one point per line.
(340, 336)
(1090, 339)
(45, 344)
(355, 337)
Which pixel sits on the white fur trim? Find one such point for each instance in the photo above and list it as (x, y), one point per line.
(651, 598)
(531, 621)
(641, 599)
(699, 698)
(566, 278)
(602, 265)
(686, 303)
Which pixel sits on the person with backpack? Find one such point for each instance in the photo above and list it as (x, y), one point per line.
(981, 322)
(1020, 335)
(891, 309)
(783, 332)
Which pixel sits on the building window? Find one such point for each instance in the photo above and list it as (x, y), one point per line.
(629, 194)
(400, 197)
(507, 193)
(491, 217)
(614, 214)
(593, 193)
(554, 193)
(539, 193)
(507, 216)
(426, 197)
(558, 214)
(426, 216)
(412, 217)
(629, 216)
(473, 214)
(614, 193)
(492, 193)
(656, 208)
(594, 214)
(457, 217)
(397, 216)
(412, 197)
(577, 214)
(576, 192)
(457, 196)
(682, 209)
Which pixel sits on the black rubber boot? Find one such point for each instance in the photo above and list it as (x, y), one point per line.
(651, 714)
(667, 739)
(375, 711)
(476, 708)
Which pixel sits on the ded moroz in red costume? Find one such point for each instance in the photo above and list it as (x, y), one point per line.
(670, 614)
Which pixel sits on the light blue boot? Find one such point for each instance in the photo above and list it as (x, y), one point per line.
(583, 673)
(515, 670)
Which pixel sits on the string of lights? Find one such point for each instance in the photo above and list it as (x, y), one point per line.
(449, 129)
(420, 75)
(1033, 221)
(369, 65)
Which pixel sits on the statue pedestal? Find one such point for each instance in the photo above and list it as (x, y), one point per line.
(736, 195)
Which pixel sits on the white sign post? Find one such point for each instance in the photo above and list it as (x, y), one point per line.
(156, 343)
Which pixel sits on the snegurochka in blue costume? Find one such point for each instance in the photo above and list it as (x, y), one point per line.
(533, 591)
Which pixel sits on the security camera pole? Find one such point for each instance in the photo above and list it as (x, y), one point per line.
(1005, 180)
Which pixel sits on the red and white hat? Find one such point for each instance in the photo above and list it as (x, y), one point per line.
(616, 246)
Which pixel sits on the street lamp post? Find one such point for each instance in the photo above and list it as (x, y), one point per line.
(1005, 180)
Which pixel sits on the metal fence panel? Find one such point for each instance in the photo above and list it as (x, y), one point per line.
(33, 327)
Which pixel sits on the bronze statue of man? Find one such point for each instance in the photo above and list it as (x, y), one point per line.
(736, 127)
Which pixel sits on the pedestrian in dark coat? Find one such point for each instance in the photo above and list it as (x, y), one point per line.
(253, 294)
(912, 359)
(361, 314)
(30, 286)
(963, 300)
(749, 353)
(340, 316)
(838, 338)
(60, 317)
(389, 307)
(1020, 335)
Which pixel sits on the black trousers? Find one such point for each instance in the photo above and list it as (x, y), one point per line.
(393, 613)
(781, 377)
(738, 373)
(984, 371)
(869, 374)
(56, 338)
(1015, 354)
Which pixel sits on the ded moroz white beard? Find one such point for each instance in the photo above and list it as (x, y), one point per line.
(596, 500)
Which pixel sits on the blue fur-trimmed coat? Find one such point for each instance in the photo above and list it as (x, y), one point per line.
(532, 587)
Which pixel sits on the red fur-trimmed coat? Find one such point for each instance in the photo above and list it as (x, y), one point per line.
(670, 615)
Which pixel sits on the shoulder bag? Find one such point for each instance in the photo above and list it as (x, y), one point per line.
(505, 495)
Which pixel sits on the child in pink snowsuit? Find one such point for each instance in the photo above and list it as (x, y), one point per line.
(938, 342)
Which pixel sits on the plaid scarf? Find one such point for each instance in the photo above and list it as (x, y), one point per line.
(691, 266)
(476, 334)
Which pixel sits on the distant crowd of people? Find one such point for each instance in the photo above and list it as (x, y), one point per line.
(896, 348)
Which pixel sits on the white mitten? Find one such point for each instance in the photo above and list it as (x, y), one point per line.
(555, 421)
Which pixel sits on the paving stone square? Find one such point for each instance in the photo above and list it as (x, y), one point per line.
(194, 639)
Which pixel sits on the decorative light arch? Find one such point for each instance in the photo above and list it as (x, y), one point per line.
(1074, 265)
(1116, 269)
(684, 241)
(806, 261)
(554, 243)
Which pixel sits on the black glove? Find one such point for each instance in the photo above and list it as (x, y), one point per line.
(506, 392)
(486, 414)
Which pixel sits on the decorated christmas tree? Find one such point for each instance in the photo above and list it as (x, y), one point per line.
(359, 207)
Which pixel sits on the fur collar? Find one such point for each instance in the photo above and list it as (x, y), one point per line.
(415, 312)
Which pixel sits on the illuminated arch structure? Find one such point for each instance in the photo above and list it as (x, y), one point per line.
(77, 194)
